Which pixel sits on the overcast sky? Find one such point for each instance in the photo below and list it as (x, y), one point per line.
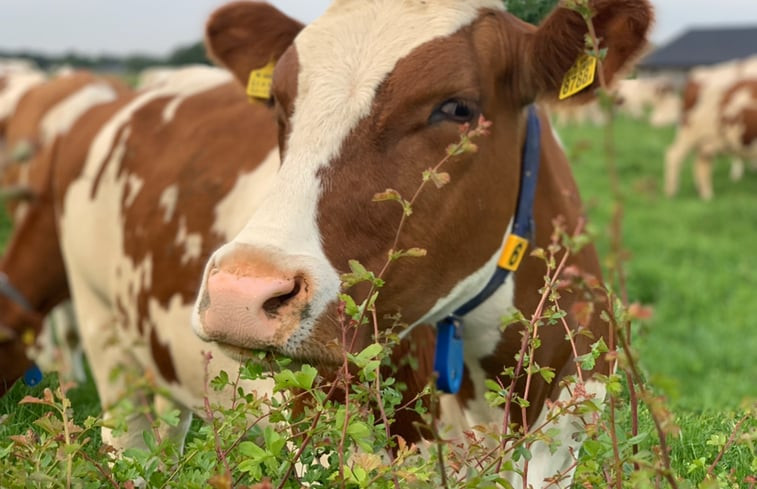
(158, 26)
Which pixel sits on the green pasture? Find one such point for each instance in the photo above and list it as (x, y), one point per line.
(693, 262)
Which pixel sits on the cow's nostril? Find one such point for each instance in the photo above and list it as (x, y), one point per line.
(272, 306)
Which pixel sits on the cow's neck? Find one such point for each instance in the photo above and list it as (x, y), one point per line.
(450, 355)
(41, 280)
(482, 330)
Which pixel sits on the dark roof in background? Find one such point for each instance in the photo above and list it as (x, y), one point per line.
(704, 46)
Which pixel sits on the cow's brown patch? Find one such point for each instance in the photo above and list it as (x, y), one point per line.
(690, 97)
(746, 117)
(161, 355)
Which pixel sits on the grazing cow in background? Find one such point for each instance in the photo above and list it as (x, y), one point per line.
(45, 111)
(34, 279)
(654, 98)
(367, 98)
(719, 117)
(15, 81)
(48, 109)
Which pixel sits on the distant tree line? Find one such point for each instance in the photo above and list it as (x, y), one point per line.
(191, 54)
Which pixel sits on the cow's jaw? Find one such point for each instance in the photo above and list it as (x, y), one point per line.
(334, 93)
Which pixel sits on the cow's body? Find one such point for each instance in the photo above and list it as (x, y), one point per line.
(43, 112)
(137, 184)
(719, 118)
(368, 97)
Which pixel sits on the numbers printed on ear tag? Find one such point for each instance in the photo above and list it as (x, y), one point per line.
(580, 76)
(259, 82)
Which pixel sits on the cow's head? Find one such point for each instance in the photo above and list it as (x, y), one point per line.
(18, 328)
(32, 274)
(368, 97)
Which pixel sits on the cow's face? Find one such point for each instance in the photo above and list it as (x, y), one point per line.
(18, 328)
(368, 97)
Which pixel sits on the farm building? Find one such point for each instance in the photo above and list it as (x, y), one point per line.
(700, 46)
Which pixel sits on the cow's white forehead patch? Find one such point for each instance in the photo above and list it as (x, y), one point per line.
(349, 51)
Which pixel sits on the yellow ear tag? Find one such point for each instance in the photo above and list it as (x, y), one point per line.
(259, 83)
(580, 76)
(513, 252)
(28, 337)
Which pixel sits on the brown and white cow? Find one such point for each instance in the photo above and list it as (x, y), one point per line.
(48, 109)
(15, 81)
(158, 191)
(367, 97)
(719, 117)
(43, 112)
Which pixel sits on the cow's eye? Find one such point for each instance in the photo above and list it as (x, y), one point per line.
(453, 110)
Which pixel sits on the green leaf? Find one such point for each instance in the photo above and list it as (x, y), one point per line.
(306, 376)
(251, 450)
(361, 435)
(351, 309)
(149, 438)
(369, 353)
(220, 381)
(302, 379)
(358, 273)
(251, 371)
(273, 441)
(587, 361)
(284, 380)
(547, 373)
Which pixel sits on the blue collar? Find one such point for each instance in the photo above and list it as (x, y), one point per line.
(448, 359)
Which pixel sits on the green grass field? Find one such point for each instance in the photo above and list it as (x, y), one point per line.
(694, 262)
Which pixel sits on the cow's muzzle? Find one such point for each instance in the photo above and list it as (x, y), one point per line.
(252, 304)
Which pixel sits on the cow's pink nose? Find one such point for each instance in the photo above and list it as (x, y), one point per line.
(252, 311)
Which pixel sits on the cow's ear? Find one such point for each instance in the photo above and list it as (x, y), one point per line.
(245, 36)
(554, 48)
